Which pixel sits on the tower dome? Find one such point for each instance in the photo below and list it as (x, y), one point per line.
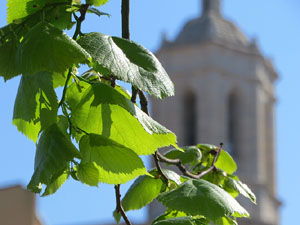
(211, 26)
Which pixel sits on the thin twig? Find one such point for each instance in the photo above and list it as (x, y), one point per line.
(80, 19)
(178, 163)
(113, 81)
(160, 171)
(119, 207)
(134, 93)
(144, 102)
(125, 34)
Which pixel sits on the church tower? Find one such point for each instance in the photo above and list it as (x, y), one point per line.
(224, 92)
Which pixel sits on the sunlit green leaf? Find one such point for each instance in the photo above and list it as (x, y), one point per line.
(129, 62)
(96, 2)
(47, 48)
(199, 197)
(101, 109)
(35, 105)
(168, 215)
(225, 162)
(17, 9)
(146, 188)
(116, 163)
(88, 173)
(53, 154)
(56, 184)
(186, 220)
(225, 221)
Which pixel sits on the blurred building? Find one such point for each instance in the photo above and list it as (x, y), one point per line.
(224, 93)
(17, 207)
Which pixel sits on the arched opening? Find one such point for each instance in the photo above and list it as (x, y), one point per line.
(190, 118)
(233, 120)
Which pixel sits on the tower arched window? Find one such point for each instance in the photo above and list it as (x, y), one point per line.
(233, 120)
(190, 118)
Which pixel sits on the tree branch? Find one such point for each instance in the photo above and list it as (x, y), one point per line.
(125, 19)
(125, 34)
(178, 163)
(160, 171)
(119, 207)
(80, 19)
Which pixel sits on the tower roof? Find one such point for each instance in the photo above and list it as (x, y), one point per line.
(210, 26)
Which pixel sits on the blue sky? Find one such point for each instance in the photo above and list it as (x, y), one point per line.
(275, 24)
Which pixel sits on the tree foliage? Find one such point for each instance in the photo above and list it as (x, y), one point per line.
(96, 132)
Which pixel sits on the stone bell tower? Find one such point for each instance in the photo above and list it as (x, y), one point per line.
(224, 92)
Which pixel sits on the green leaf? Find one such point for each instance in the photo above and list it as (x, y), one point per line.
(101, 109)
(186, 220)
(56, 184)
(168, 215)
(53, 154)
(171, 175)
(146, 188)
(117, 216)
(225, 162)
(232, 183)
(129, 62)
(17, 9)
(191, 154)
(216, 177)
(96, 2)
(59, 79)
(199, 197)
(59, 16)
(97, 12)
(225, 221)
(35, 105)
(88, 173)
(8, 52)
(116, 163)
(47, 48)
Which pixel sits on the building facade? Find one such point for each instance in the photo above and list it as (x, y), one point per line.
(224, 92)
(17, 207)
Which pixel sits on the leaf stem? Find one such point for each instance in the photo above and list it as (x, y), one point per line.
(65, 89)
(84, 80)
(119, 207)
(144, 102)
